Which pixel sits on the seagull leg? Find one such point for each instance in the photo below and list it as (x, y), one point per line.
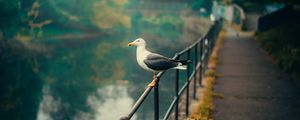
(154, 81)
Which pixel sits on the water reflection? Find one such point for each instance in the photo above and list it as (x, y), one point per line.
(115, 102)
(106, 103)
(48, 105)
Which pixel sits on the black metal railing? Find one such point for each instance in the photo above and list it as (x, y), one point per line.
(201, 50)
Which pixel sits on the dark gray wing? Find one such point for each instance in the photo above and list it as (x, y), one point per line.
(159, 62)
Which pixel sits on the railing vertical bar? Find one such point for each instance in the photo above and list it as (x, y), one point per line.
(205, 56)
(200, 60)
(195, 69)
(188, 84)
(156, 101)
(176, 91)
(208, 50)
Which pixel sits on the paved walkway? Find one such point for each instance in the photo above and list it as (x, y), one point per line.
(254, 89)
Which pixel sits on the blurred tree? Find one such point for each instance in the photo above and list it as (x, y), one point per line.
(108, 14)
(135, 20)
(13, 16)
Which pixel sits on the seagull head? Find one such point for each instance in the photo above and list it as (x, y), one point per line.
(138, 42)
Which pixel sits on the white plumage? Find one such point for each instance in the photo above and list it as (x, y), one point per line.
(155, 62)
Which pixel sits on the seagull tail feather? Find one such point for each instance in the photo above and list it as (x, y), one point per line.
(182, 64)
(181, 67)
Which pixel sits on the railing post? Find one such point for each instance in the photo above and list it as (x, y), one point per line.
(209, 49)
(201, 62)
(206, 51)
(188, 84)
(195, 69)
(156, 101)
(176, 91)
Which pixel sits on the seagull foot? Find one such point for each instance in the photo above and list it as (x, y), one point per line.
(154, 77)
(153, 83)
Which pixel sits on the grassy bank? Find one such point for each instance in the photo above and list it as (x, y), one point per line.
(205, 107)
(283, 44)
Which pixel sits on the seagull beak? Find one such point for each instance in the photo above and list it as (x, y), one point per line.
(131, 44)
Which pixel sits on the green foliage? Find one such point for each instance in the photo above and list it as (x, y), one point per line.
(25, 20)
(12, 16)
(197, 4)
(165, 26)
(108, 14)
(283, 44)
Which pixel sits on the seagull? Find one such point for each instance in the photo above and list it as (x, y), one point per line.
(155, 62)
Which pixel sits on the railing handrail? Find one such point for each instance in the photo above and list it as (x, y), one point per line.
(198, 64)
